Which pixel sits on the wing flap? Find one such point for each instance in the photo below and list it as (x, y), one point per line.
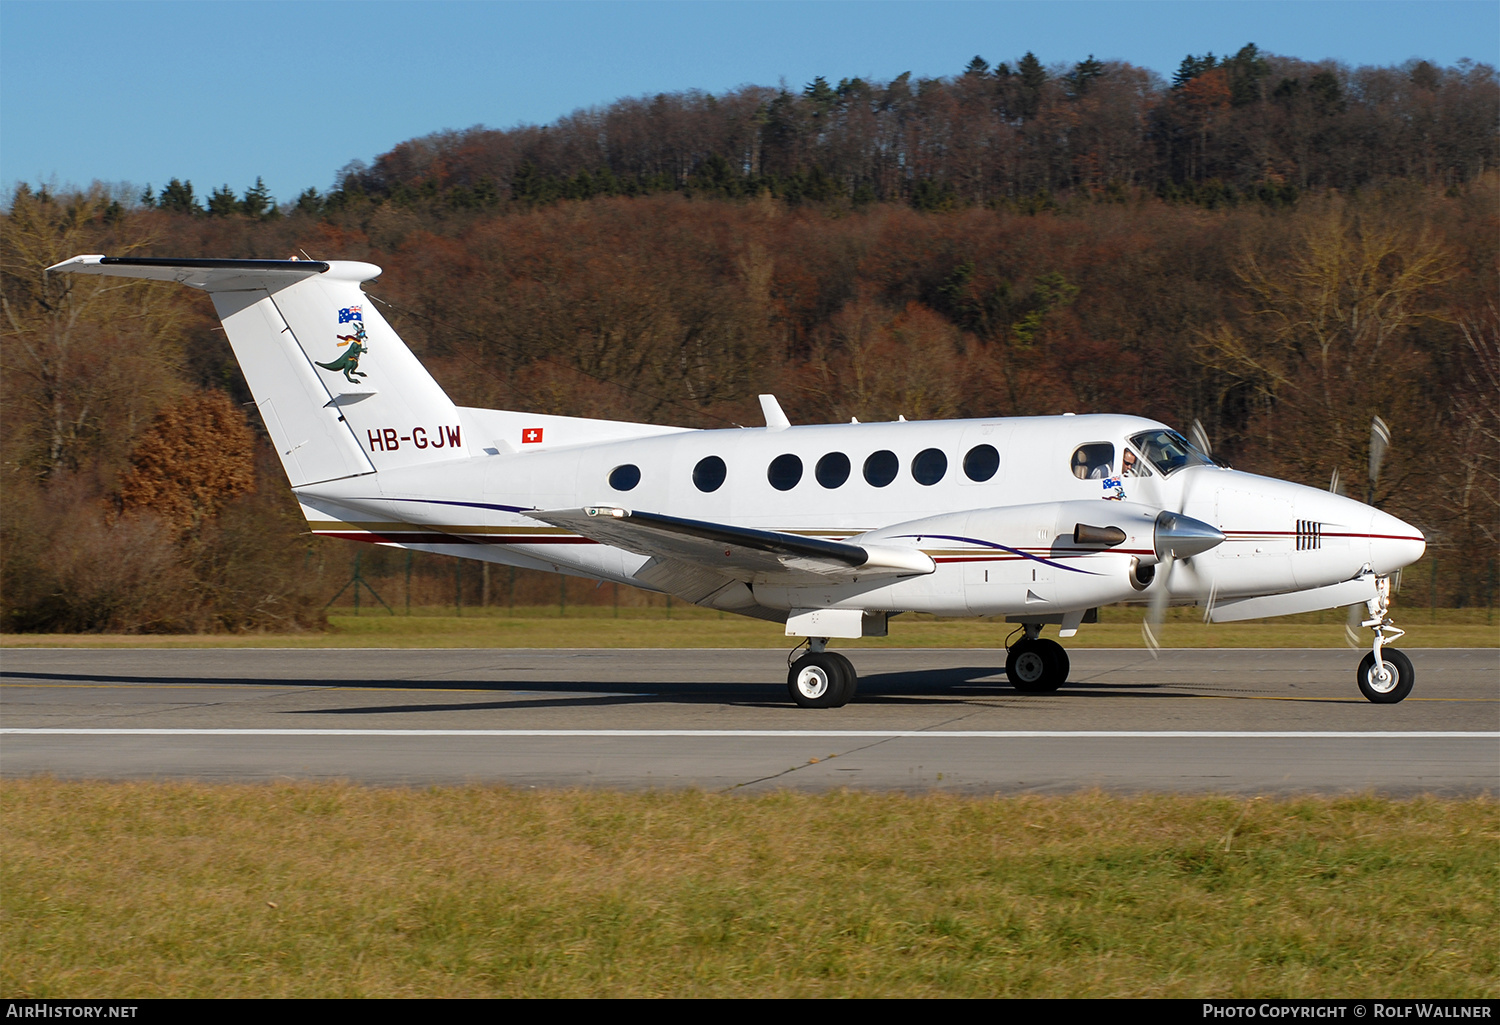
(738, 553)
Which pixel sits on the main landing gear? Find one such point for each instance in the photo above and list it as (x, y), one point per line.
(1385, 674)
(1036, 665)
(821, 678)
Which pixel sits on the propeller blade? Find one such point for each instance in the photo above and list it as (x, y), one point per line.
(1333, 482)
(1148, 634)
(1151, 626)
(1380, 440)
(1199, 437)
(1351, 628)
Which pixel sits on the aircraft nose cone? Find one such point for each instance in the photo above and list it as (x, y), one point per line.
(1393, 543)
(1183, 537)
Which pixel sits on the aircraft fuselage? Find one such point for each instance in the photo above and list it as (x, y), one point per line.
(1001, 545)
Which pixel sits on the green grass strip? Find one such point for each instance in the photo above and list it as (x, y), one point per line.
(150, 890)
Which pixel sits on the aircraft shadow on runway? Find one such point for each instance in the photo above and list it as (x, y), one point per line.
(959, 684)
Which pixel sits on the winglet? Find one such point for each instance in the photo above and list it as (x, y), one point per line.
(77, 262)
(775, 419)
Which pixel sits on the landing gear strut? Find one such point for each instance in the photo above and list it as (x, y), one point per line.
(1036, 665)
(1385, 674)
(821, 678)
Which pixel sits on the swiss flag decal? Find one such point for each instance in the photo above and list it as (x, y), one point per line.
(531, 436)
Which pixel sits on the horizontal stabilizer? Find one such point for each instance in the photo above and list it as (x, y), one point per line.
(210, 275)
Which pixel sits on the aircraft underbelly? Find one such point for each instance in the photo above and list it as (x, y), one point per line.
(939, 593)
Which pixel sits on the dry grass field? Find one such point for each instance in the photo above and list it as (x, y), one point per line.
(149, 890)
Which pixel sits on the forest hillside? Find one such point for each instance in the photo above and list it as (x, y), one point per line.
(1281, 250)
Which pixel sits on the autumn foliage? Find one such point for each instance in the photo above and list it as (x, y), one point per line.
(197, 455)
(1222, 280)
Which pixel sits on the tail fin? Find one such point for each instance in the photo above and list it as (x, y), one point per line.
(340, 393)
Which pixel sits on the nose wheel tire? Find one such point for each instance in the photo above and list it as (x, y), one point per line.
(821, 680)
(1036, 666)
(1391, 686)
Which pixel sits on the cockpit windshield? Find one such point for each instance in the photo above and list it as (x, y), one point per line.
(1168, 451)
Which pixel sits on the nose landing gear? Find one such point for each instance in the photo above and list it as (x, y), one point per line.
(1385, 674)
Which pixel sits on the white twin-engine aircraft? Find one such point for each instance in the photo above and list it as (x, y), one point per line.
(830, 529)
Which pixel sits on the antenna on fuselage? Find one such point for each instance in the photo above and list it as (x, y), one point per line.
(775, 419)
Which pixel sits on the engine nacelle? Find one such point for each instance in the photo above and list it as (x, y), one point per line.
(1041, 559)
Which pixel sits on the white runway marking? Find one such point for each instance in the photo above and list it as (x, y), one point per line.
(944, 734)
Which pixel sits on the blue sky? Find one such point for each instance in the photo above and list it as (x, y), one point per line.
(219, 92)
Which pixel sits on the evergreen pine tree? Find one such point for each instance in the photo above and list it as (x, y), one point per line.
(258, 202)
(1032, 77)
(222, 202)
(1083, 75)
(178, 198)
(1246, 70)
(1191, 67)
(309, 202)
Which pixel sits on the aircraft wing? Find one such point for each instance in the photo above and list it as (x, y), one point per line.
(739, 553)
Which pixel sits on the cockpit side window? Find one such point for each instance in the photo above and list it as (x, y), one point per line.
(1132, 465)
(1168, 451)
(1094, 461)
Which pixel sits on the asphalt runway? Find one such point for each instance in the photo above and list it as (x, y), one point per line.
(1220, 720)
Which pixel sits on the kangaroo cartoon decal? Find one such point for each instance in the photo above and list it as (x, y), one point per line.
(349, 361)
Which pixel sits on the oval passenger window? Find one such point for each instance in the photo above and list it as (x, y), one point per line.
(981, 463)
(784, 472)
(881, 468)
(833, 470)
(1093, 462)
(929, 466)
(623, 478)
(709, 474)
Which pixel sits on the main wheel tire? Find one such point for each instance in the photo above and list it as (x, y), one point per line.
(1033, 668)
(851, 678)
(816, 680)
(1060, 656)
(1392, 690)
